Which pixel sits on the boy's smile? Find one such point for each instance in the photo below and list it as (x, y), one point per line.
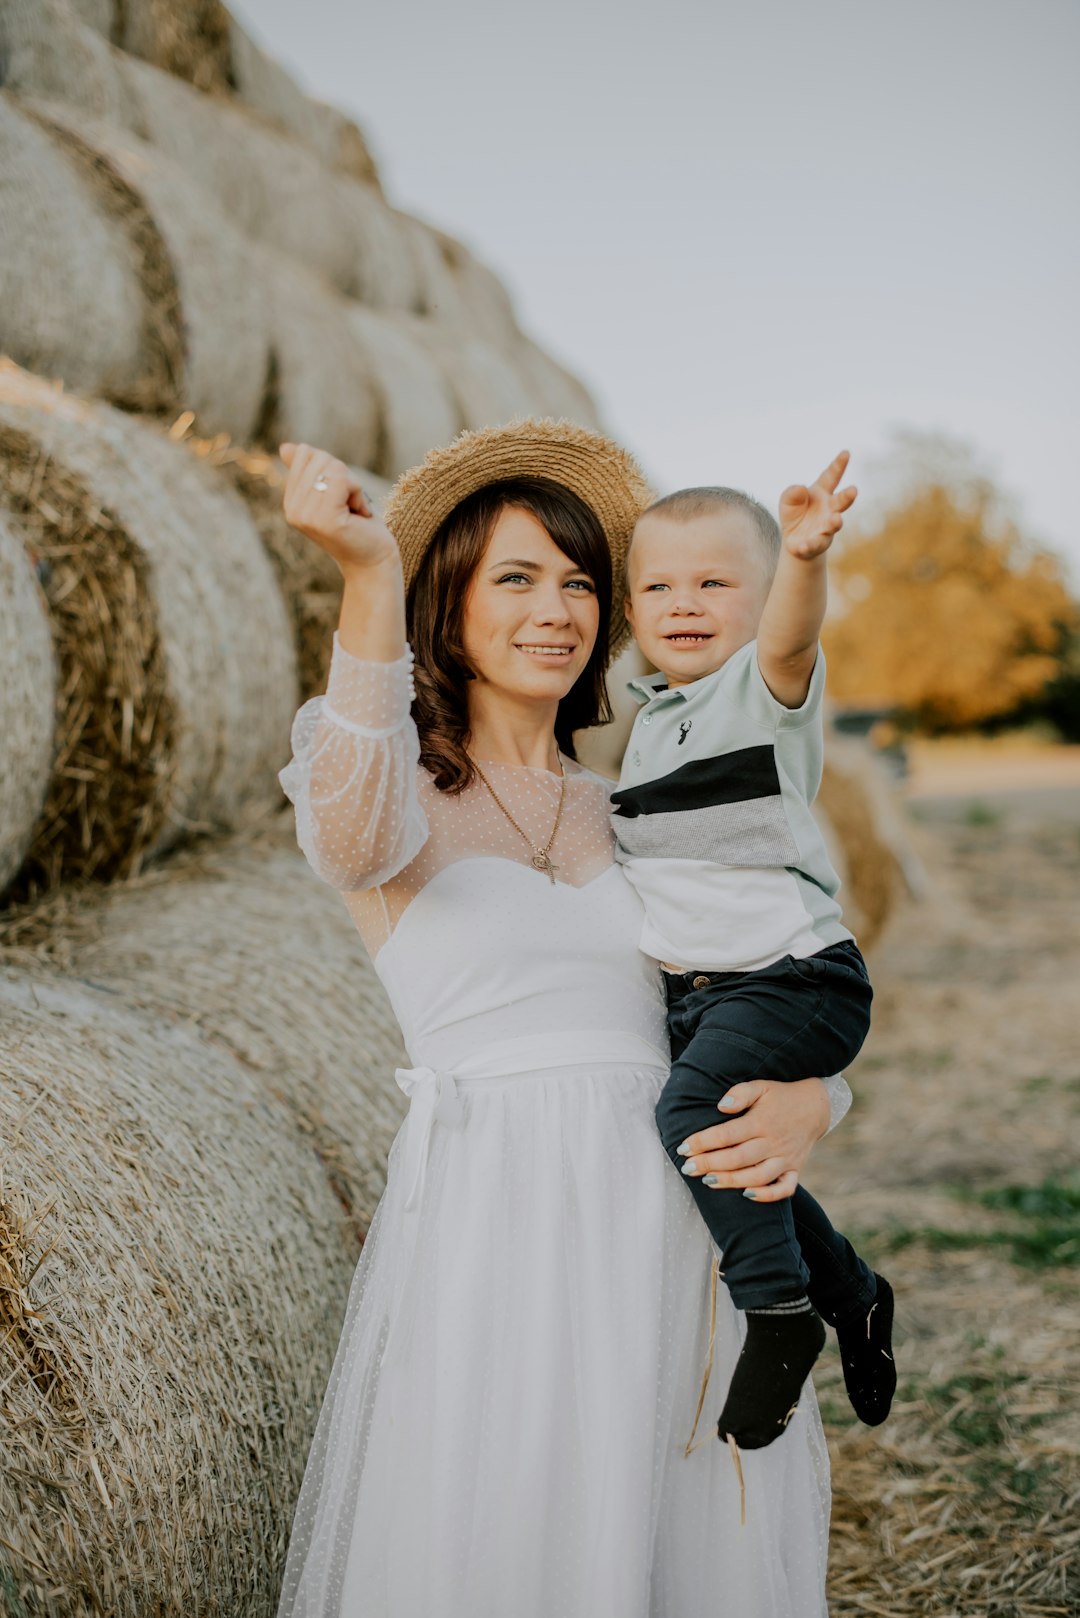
(697, 589)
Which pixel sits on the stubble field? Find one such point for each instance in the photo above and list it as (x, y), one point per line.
(956, 1173)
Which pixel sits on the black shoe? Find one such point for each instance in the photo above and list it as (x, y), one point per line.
(776, 1358)
(866, 1354)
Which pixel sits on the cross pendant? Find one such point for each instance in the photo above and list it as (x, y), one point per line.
(543, 863)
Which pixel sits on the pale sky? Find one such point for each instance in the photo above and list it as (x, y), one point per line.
(760, 232)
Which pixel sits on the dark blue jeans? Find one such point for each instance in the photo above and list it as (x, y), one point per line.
(797, 1019)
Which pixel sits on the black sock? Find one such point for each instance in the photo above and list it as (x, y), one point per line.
(781, 1346)
(867, 1357)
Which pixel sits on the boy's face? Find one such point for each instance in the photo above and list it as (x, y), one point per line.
(696, 590)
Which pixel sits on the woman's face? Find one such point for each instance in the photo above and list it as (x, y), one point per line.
(531, 614)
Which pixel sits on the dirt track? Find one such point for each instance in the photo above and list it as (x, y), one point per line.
(957, 1173)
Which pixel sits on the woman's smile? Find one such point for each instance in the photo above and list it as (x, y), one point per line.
(540, 649)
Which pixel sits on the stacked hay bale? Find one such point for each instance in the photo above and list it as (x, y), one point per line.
(178, 668)
(173, 1264)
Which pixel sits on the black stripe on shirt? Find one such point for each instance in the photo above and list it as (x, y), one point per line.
(749, 772)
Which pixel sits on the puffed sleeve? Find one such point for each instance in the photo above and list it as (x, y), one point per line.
(839, 1098)
(352, 775)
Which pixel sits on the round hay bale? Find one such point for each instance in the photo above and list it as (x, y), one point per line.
(385, 272)
(320, 389)
(100, 15)
(437, 292)
(210, 939)
(560, 394)
(203, 294)
(192, 40)
(870, 872)
(174, 1267)
(27, 700)
(484, 385)
(488, 309)
(274, 189)
(418, 410)
(47, 51)
(70, 285)
(266, 86)
(177, 666)
(489, 390)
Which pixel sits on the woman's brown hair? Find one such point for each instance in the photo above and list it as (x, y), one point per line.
(435, 613)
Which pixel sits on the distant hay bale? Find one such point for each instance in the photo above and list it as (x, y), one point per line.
(486, 302)
(266, 86)
(274, 189)
(488, 389)
(438, 294)
(47, 51)
(238, 938)
(203, 296)
(208, 49)
(192, 40)
(174, 1266)
(27, 700)
(71, 298)
(320, 390)
(177, 666)
(559, 393)
(418, 410)
(870, 870)
(385, 274)
(309, 579)
(100, 15)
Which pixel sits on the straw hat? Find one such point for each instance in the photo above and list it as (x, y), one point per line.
(595, 468)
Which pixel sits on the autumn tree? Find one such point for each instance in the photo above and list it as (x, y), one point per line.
(942, 608)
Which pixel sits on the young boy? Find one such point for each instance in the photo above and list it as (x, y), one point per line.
(763, 980)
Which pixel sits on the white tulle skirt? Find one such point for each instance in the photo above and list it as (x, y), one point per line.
(505, 1427)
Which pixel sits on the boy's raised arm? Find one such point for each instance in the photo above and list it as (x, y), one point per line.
(787, 638)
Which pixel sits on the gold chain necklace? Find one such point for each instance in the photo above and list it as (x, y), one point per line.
(541, 857)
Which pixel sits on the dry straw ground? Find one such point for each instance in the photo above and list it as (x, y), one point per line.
(956, 1172)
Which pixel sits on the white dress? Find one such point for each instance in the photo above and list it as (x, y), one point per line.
(505, 1427)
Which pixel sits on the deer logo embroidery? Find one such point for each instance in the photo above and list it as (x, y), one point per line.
(684, 731)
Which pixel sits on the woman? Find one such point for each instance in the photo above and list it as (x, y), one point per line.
(506, 1426)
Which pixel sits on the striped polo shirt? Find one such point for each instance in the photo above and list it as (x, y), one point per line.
(713, 824)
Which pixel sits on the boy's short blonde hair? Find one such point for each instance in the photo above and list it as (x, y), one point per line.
(686, 504)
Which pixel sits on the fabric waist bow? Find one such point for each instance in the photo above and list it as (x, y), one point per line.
(434, 1098)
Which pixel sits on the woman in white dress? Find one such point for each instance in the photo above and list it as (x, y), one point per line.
(506, 1428)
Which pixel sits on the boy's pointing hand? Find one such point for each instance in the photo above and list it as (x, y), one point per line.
(809, 517)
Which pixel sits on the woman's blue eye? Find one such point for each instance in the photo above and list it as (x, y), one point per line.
(523, 578)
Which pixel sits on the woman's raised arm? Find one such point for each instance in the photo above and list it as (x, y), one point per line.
(352, 776)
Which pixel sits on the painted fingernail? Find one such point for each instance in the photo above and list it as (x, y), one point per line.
(751, 1194)
(710, 1179)
(683, 1149)
(688, 1166)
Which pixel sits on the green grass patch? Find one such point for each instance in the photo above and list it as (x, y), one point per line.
(974, 1414)
(980, 813)
(1039, 1228)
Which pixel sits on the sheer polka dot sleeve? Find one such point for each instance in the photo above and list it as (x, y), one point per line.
(839, 1098)
(352, 775)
